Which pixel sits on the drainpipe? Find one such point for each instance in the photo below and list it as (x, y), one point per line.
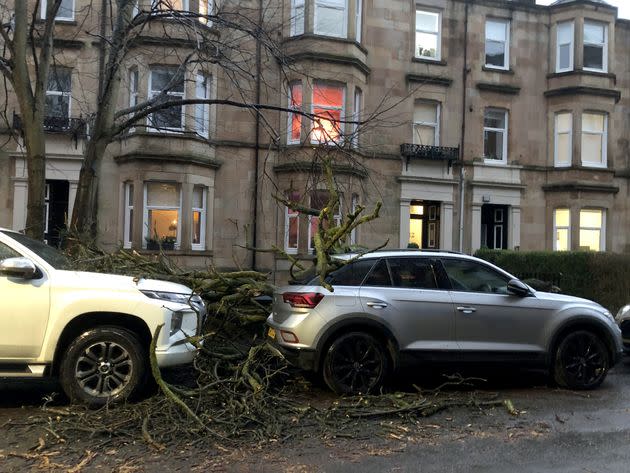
(101, 48)
(463, 132)
(257, 135)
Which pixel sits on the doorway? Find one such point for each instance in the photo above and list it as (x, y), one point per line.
(494, 226)
(56, 210)
(424, 224)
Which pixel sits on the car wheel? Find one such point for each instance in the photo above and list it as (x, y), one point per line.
(103, 365)
(582, 361)
(355, 363)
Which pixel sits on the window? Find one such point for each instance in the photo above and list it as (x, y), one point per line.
(561, 230)
(328, 104)
(206, 8)
(356, 116)
(198, 234)
(65, 12)
(297, 17)
(595, 46)
(592, 230)
(166, 5)
(291, 225)
(495, 135)
(128, 215)
(428, 25)
(318, 200)
(358, 19)
(330, 17)
(351, 274)
(471, 276)
(563, 142)
(426, 124)
(202, 110)
(8, 252)
(58, 97)
(413, 273)
(167, 84)
(498, 44)
(379, 276)
(564, 47)
(295, 119)
(594, 138)
(133, 87)
(162, 205)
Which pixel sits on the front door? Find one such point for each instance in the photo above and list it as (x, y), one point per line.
(56, 205)
(23, 314)
(494, 226)
(424, 224)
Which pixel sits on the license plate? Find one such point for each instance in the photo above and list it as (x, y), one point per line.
(271, 333)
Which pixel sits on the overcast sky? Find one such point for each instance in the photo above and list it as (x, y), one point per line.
(622, 5)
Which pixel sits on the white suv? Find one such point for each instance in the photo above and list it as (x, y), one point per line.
(90, 330)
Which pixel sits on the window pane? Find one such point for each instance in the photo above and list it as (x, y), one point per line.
(495, 53)
(412, 273)
(170, 117)
(593, 122)
(426, 44)
(163, 223)
(472, 276)
(7, 252)
(562, 217)
(295, 101)
(351, 274)
(593, 57)
(592, 148)
(65, 9)
(425, 112)
(565, 56)
(424, 135)
(495, 31)
(493, 145)
(57, 106)
(379, 276)
(590, 240)
(427, 21)
(327, 127)
(162, 194)
(565, 32)
(292, 240)
(329, 21)
(196, 227)
(319, 199)
(563, 149)
(197, 198)
(161, 79)
(562, 239)
(326, 95)
(593, 33)
(591, 218)
(59, 79)
(563, 122)
(494, 119)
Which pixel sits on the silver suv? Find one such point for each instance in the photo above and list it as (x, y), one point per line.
(437, 306)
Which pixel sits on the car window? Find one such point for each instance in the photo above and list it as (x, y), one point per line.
(352, 274)
(7, 252)
(466, 275)
(51, 255)
(379, 276)
(414, 273)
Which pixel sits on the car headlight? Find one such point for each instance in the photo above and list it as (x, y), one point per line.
(168, 296)
(623, 313)
(176, 322)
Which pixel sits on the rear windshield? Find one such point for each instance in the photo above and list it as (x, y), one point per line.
(51, 255)
(351, 274)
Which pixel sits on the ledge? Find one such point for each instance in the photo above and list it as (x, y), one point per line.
(498, 88)
(329, 58)
(204, 253)
(308, 166)
(171, 158)
(580, 186)
(161, 41)
(503, 185)
(500, 71)
(582, 72)
(582, 90)
(428, 61)
(428, 79)
(320, 37)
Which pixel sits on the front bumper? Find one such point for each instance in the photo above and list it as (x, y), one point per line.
(174, 355)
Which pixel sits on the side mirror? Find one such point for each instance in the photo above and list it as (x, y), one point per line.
(518, 288)
(18, 268)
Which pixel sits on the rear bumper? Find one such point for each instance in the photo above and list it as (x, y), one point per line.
(299, 357)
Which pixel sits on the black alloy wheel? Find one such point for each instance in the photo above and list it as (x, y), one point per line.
(582, 361)
(355, 363)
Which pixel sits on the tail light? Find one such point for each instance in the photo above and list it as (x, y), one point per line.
(307, 300)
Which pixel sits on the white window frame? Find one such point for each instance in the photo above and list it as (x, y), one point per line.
(356, 116)
(44, 5)
(336, 218)
(181, 95)
(134, 78)
(59, 92)
(333, 6)
(288, 216)
(603, 134)
(556, 227)
(209, 10)
(438, 51)
(505, 132)
(435, 126)
(358, 23)
(297, 27)
(571, 48)
(202, 110)
(603, 45)
(557, 132)
(602, 229)
(46, 207)
(146, 208)
(203, 211)
(290, 139)
(156, 3)
(506, 44)
(341, 115)
(127, 215)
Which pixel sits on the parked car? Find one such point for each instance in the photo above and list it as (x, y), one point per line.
(623, 320)
(90, 330)
(392, 306)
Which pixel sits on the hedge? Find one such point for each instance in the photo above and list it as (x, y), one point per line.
(602, 277)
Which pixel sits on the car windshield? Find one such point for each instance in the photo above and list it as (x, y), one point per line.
(51, 255)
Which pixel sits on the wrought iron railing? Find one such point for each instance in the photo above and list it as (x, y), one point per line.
(434, 153)
(73, 126)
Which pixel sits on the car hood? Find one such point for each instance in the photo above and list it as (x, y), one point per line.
(85, 280)
(551, 296)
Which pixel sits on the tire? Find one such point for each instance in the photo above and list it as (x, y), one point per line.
(581, 361)
(104, 365)
(355, 363)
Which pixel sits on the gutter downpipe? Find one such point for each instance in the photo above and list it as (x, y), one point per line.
(463, 132)
(257, 135)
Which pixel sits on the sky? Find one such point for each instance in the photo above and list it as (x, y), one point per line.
(622, 5)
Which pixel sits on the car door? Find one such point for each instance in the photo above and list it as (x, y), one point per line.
(487, 317)
(406, 292)
(23, 313)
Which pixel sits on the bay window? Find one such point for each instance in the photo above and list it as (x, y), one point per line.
(592, 234)
(295, 119)
(291, 225)
(595, 46)
(564, 47)
(202, 110)
(128, 215)
(495, 134)
(498, 44)
(358, 12)
(64, 13)
(563, 142)
(166, 84)
(162, 214)
(594, 138)
(331, 17)
(198, 234)
(328, 106)
(297, 17)
(561, 230)
(426, 127)
(356, 116)
(428, 35)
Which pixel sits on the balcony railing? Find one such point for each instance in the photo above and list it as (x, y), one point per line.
(433, 153)
(77, 127)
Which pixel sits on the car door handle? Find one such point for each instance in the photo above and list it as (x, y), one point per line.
(376, 305)
(466, 310)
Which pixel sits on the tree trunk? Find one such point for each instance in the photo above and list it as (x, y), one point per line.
(84, 214)
(36, 166)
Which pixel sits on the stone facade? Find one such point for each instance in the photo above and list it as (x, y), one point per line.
(514, 121)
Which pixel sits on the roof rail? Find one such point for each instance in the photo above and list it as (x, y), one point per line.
(422, 250)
